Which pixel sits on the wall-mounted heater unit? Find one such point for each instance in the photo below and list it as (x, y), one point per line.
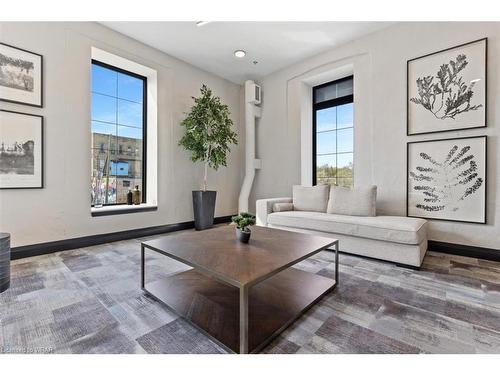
(252, 93)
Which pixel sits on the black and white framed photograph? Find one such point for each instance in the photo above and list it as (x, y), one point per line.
(21, 150)
(446, 90)
(446, 179)
(21, 76)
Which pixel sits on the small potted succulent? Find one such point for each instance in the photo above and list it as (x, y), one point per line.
(243, 221)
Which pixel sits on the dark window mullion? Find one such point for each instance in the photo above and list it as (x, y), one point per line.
(144, 139)
(314, 141)
(340, 153)
(116, 138)
(336, 147)
(140, 127)
(327, 131)
(104, 122)
(115, 97)
(334, 102)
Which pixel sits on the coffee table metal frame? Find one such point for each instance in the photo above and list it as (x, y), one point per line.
(243, 293)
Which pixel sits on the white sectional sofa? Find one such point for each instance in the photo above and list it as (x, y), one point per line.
(398, 239)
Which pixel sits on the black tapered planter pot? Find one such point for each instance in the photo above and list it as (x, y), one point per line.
(243, 236)
(204, 208)
(4, 261)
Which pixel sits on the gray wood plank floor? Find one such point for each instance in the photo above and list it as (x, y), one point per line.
(89, 301)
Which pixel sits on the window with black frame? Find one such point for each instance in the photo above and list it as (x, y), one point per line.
(118, 134)
(333, 133)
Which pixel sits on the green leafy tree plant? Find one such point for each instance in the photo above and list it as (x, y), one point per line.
(243, 221)
(209, 132)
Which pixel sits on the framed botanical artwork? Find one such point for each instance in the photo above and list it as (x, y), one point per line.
(21, 150)
(21, 76)
(446, 90)
(446, 179)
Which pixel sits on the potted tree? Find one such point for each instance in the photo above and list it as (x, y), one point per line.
(208, 137)
(243, 221)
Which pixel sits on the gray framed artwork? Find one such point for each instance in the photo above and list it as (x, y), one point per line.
(446, 179)
(446, 90)
(21, 76)
(21, 150)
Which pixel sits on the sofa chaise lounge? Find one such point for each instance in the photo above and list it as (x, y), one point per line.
(348, 215)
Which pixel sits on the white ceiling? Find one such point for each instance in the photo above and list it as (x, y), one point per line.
(274, 45)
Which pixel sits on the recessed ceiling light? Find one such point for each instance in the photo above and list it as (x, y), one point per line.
(202, 23)
(239, 53)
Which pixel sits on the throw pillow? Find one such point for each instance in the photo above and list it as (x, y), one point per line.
(281, 207)
(359, 201)
(313, 198)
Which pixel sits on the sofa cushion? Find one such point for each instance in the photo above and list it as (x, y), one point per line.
(358, 201)
(310, 198)
(280, 207)
(406, 230)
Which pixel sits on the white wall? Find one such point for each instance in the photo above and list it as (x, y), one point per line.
(62, 209)
(379, 64)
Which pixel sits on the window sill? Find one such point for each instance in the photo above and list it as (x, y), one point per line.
(122, 209)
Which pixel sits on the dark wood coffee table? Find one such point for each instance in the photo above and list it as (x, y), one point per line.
(241, 295)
